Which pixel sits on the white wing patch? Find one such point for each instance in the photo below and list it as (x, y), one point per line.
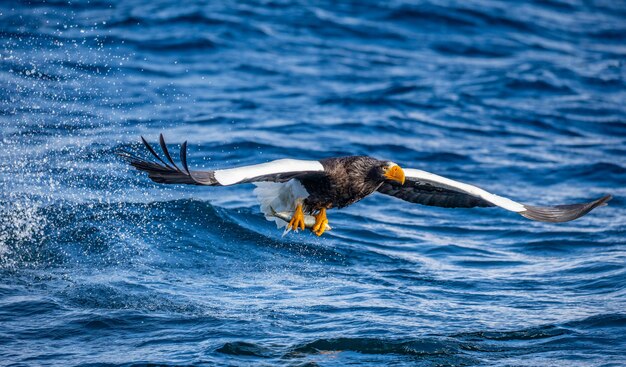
(279, 196)
(232, 176)
(465, 188)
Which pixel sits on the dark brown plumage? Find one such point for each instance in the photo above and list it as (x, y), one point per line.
(428, 194)
(346, 181)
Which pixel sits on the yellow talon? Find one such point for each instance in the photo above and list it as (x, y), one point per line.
(322, 228)
(297, 221)
(320, 222)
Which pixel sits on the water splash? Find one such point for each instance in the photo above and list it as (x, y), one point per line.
(21, 223)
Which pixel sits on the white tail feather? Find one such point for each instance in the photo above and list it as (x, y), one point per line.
(279, 197)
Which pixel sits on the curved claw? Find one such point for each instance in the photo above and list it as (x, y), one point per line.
(297, 221)
(322, 228)
(321, 222)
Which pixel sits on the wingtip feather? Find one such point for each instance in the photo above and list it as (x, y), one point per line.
(183, 157)
(152, 151)
(563, 213)
(161, 172)
(166, 151)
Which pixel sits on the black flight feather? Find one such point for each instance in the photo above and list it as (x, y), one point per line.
(183, 157)
(166, 152)
(152, 151)
(562, 213)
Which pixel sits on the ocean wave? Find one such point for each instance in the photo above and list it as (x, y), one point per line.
(446, 350)
(422, 347)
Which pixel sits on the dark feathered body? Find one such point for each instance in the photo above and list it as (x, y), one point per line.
(346, 181)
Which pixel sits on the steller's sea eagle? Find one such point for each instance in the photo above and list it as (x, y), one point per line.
(312, 187)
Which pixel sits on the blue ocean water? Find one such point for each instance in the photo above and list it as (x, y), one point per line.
(100, 266)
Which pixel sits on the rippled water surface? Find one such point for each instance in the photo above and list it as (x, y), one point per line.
(98, 265)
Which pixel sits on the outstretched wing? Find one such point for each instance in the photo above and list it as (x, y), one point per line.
(425, 188)
(166, 171)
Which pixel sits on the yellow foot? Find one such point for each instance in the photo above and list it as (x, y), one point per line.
(297, 221)
(320, 222)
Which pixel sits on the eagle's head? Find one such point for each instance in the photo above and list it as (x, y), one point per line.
(386, 170)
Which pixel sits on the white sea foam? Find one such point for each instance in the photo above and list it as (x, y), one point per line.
(21, 221)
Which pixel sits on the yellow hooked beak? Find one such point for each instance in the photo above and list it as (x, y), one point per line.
(395, 173)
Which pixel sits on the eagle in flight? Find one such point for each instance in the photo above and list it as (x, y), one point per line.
(306, 187)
